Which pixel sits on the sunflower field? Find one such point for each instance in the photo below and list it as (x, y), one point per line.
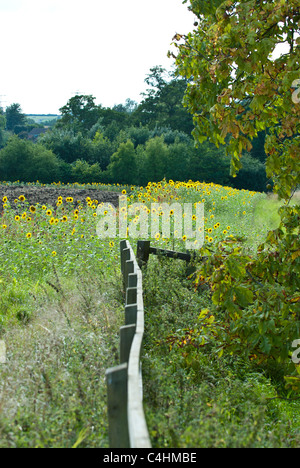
(61, 306)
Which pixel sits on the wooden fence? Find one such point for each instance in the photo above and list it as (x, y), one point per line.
(127, 424)
(144, 250)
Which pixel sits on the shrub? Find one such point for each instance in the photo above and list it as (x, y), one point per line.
(26, 161)
(84, 173)
(122, 167)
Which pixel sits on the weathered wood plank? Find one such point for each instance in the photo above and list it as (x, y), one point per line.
(171, 254)
(117, 397)
(126, 337)
(143, 252)
(130, 314)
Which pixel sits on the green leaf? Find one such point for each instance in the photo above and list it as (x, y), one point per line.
(244, 296)
(265, 345)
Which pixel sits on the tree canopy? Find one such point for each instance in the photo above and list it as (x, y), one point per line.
(14, 117)
(241, 84)
(80, 113)
(242, 63)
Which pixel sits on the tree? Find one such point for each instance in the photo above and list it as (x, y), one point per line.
(101, 150)
(178, 161)
(156, 159)
(2, 119)
(114, 120)
(209, 164)
(162, 103)
(79, 114)
(14, 117)
(28, 162)
(122, 167)
(84, 173)
(238, 88)
(68, 145)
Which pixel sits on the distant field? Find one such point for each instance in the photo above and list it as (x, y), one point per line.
(40, 118)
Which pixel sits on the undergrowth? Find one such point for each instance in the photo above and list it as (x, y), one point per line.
(53, 387)
(193, 397)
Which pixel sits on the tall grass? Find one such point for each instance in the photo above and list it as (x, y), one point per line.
(60, 313)
(61, 306)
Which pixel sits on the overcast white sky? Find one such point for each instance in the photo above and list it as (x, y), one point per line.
(51, 49)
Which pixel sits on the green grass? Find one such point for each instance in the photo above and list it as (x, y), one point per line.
(266, 213)
(61, 306)
(193, 398)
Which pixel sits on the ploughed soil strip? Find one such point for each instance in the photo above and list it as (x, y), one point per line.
(48, 195)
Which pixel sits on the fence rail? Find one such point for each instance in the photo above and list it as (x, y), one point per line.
(127, 424)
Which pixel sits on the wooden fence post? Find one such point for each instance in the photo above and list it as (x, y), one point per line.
(125, 255)
(128, 269)
(143, 252)
(131, 314)
(117, 396)
(126, 336)
(131, 296)
(132, 280)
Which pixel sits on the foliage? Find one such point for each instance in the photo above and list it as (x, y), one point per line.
(123, 164)
(84, 173)
(67, 145)
(60, 312)
(2, 122)
(79, 114)
(237, 89)
(192, 397)
(156, 155)
(14, 117)
(101, 150)
(91, 133)
(23, 160)
(162, 103)
(252, 175)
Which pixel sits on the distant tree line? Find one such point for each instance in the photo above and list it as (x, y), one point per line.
(128, 144)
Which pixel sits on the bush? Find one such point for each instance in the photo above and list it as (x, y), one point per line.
(84, 173)
(209, 164)
(67, 145)
(252, 176)
(101, 151)
(156, 155)
(194, 397)
(122, 167)
(26, 161)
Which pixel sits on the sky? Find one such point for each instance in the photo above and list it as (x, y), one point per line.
(53, 49)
